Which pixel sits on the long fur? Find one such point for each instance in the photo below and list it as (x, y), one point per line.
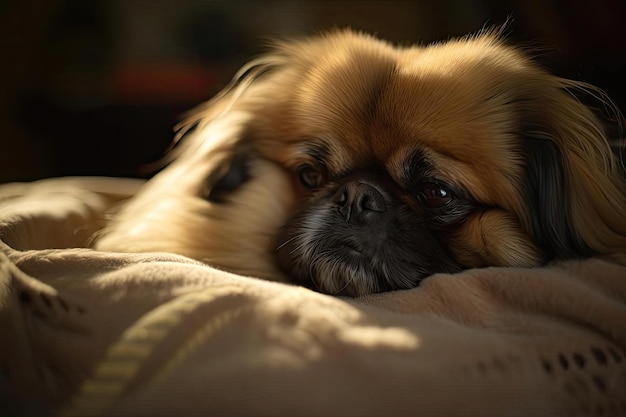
(535, 165)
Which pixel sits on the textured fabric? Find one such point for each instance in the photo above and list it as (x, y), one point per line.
(88, 333)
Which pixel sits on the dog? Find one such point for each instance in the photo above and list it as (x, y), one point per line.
(352, 166)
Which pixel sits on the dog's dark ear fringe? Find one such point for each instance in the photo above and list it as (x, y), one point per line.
(554, 217)
(548, 200)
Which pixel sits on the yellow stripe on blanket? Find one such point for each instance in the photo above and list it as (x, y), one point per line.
(127, 358)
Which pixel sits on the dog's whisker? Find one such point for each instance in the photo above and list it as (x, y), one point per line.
(285, 243)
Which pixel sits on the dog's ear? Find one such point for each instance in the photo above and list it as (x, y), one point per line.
(232, 101)
(575, 188)
(211, 152)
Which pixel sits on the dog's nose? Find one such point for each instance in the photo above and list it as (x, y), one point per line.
(359, 200)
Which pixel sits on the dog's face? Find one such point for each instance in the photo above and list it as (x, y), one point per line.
(357, 167)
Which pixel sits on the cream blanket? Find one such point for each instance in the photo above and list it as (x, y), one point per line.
(87, 333)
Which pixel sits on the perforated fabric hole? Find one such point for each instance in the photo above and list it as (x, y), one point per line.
(579, 360)
(594, 379)
(24, 297)
(599, 383)
(547, 366)
(599, 355)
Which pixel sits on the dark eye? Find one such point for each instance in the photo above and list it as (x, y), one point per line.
(311, 177)
(435, 195)
(236, 174)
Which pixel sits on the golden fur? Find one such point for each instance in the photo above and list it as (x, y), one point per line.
(534, 161)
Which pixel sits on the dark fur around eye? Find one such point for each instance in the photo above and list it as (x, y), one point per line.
(446, 205)
(317, 151)
(237, 173)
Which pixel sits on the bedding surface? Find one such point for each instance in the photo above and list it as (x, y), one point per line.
(88, 333)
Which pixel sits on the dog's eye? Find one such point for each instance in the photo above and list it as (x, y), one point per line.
(435, 195)
(311, 177)
(237, 173)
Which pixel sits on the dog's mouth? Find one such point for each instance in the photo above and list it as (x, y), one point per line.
(318, 262)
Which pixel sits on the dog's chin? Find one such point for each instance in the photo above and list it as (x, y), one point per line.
(319, 249)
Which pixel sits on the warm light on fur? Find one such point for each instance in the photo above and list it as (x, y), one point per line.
(530, 168)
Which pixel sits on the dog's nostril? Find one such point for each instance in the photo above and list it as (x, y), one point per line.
(368, 198)
(344, 203)
(341, 196)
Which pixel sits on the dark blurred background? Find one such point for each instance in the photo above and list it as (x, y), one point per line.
(94, 87)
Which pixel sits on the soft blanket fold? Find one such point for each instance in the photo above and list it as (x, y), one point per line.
(88, 333)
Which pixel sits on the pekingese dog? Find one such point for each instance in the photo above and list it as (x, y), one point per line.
(353, 166)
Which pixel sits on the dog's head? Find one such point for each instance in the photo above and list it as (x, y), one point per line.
(355, 166)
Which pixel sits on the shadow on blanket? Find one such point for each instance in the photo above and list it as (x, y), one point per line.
(88, 333)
